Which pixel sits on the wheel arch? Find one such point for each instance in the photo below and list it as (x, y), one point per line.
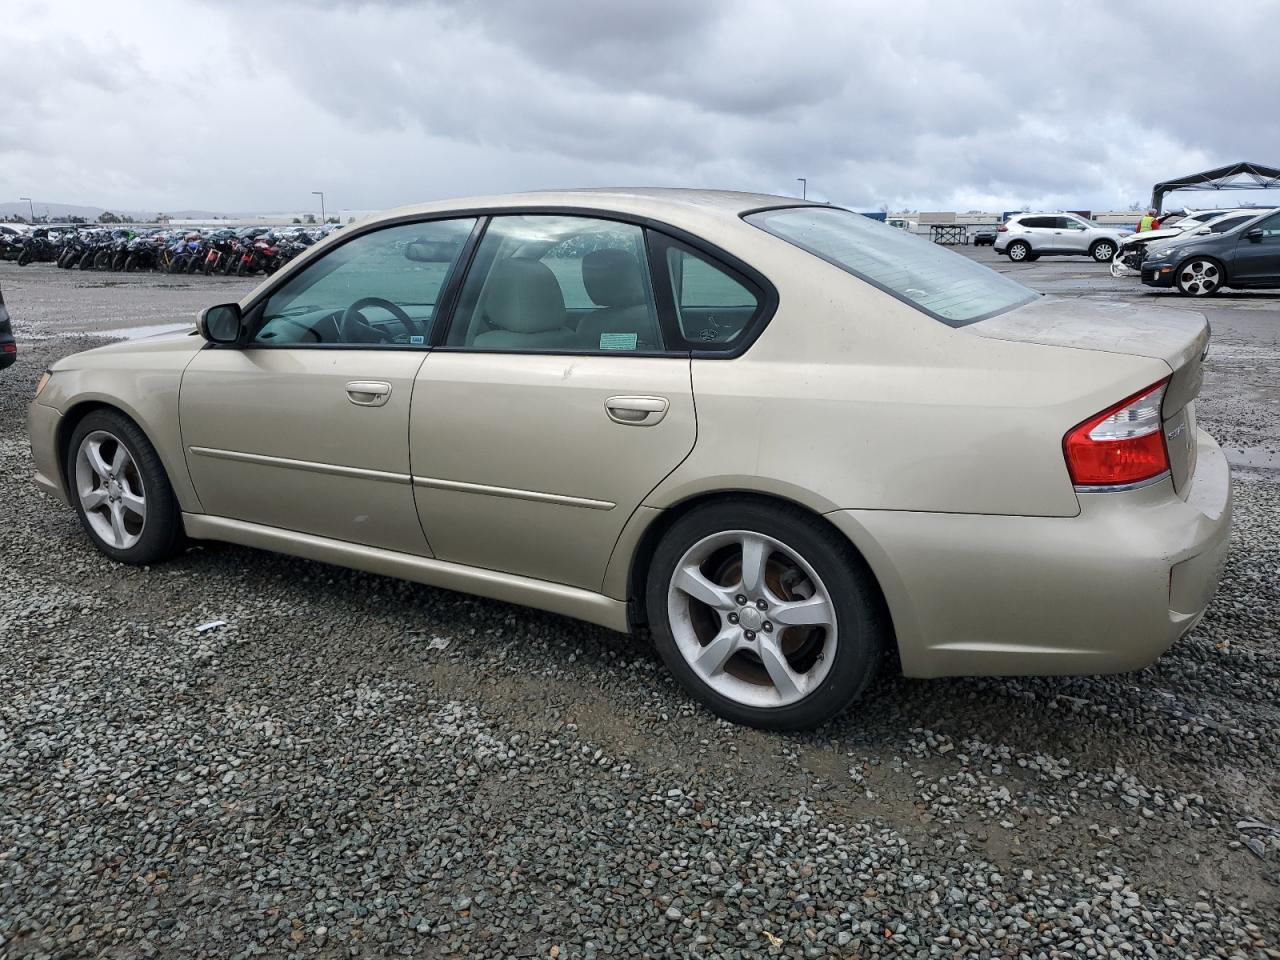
(641, 556)
(75, 414)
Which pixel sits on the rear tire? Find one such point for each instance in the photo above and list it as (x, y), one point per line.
(137, 478)
(1018, 251)
(807, 641)
(24, 258)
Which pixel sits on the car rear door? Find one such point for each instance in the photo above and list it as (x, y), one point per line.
(1257, 259)
(1039, 232)
(555, 403)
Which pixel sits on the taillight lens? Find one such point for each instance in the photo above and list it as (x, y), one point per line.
(1002, 229)
(1122, 445)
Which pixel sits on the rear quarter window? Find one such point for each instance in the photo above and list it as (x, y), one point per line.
(947, 286)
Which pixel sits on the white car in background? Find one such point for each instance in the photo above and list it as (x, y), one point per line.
(1030, 236)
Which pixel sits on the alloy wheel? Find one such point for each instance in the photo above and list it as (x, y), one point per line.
(1018, 251)
(752, 618)
(1103, 252)
(109, 486)
(1199, 278)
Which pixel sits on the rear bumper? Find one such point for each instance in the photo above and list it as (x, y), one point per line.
(1106, 591)
(42, 427)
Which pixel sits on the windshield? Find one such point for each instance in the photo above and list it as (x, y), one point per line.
(945, 285)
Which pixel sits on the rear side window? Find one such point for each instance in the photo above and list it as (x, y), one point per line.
(558, 284)
(713, 306)
(945, 285)
(1038, 221)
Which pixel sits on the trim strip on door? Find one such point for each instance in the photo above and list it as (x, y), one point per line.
(512, 493)
(310, 466)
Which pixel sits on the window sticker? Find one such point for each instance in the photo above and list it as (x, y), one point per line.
(618, 341)
(417, 340)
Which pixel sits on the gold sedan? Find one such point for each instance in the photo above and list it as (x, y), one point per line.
(786, 439)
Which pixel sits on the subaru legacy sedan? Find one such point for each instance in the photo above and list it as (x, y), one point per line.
(786, 440)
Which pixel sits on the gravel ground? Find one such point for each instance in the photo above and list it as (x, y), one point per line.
(356, 766)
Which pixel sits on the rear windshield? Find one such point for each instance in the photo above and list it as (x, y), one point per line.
(945, 285)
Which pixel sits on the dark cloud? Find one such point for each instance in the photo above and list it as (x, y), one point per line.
(921, 104)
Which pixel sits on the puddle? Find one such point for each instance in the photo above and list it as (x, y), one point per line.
(135, 333)
(1255, 461)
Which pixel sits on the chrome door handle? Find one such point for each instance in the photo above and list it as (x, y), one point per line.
(636, 411)
(368, 393)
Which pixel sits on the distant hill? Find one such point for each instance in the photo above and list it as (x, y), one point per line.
(63, 211)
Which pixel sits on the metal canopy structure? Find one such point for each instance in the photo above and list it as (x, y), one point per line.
(1235, 176)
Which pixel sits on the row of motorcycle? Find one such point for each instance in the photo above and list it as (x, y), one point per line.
(241, 253)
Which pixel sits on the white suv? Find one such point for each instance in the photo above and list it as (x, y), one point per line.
(1029, 236)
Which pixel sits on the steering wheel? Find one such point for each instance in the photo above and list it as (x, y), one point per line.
(352, 326)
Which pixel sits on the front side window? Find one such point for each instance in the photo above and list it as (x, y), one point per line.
(1271, 226)
(558, 284)
(379, 288)
(945, 285)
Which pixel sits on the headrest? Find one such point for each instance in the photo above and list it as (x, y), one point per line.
(612, 278)
(525, 297)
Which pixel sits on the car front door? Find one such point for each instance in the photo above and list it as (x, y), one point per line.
(304, 425)
(1072, 235)
(555, 404)
(1257, 259)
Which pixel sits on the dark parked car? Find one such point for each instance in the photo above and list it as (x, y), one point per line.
(984, 236)
(1248, 256)
(8, 349)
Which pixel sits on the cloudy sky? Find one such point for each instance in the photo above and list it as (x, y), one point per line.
(249, 106)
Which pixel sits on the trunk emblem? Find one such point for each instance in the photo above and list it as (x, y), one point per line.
(1176, 432)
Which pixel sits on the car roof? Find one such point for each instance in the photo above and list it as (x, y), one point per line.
(660, 203)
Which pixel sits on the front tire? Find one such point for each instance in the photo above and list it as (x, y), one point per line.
(765, 614)
(1018, 251)
(120, 490)
(24, 258)
(1200, 277)
(1102, 251)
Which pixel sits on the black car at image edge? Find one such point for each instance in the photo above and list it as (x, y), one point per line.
(8, 349)
(1201, 265)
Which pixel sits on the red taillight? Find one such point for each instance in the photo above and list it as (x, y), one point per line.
(10, 348)
(1122, 445)
(1002, 228)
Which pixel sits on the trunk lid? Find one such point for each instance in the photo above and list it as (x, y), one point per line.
(1178, 337)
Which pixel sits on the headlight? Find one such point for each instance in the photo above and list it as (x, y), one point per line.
(43, 382)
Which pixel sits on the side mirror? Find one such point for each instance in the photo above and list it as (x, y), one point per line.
(431, 251)
(220, 324)
(1255, 235)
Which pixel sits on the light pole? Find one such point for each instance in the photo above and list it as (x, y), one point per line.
(31, 207)
(804, 188)
(320, 194)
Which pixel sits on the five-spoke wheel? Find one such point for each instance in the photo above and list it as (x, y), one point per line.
(752, 618)
(120, 489)
(765, 613)
(110, 489)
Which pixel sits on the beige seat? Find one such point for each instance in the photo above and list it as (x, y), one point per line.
(616, 285)
(524, 306)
